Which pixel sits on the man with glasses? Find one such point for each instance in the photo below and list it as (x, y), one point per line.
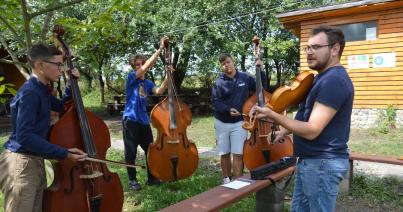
(322, 125)
(136, 122)
(22, 176)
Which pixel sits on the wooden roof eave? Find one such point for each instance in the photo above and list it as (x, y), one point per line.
(293, 22)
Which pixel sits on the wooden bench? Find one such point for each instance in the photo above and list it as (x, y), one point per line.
(376, 159)
(192, 100)
(118, 105)
(202, 108)
(221, 197)
(5, 124)
(345, 185)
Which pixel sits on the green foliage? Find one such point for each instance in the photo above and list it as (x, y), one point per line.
(391, 115)
(3, 139)
(386, 119)
(102, 33)
(92, 101)
(377, 191)
(6, 88)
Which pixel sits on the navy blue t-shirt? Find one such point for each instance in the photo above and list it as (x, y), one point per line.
(230, 93)
(137, 91)
(332, 88)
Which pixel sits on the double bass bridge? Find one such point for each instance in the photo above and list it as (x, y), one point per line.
(93, 175)
(174, 141)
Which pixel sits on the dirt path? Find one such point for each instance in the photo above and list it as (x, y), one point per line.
(377, 169)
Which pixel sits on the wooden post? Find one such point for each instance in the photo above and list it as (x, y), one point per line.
(271, 198)
(346, 183)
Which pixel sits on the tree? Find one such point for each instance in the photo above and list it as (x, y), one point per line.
(98, 31)
(23, 23)
(102, 34)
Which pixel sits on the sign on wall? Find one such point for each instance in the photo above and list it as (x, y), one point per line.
(384, 60)
(358, 61)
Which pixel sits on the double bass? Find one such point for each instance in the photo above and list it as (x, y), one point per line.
(257, 150)
(88, 185)
(172, 156)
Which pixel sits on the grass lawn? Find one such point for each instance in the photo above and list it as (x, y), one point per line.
(378, 193)
(374, 143)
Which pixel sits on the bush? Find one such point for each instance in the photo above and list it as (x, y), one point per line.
(386, 119)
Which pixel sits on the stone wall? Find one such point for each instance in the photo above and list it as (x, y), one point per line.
(369, 118)
(399, 118)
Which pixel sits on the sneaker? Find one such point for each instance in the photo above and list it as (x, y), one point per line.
(133, 184)
(153, 182)
(226, 180)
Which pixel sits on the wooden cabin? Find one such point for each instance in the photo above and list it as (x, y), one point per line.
(373, 55)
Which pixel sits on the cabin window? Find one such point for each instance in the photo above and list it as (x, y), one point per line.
(360, 31)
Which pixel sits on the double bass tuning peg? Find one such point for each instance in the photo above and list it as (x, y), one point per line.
(256, 40)
(59, 30)
(166, 43)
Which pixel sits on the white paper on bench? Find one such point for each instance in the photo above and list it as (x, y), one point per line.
(236, 184)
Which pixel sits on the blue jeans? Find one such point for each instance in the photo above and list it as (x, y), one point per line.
(316, 184)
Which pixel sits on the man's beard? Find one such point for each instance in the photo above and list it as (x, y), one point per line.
(320, 65)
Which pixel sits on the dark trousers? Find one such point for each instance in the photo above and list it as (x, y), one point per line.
(135, 134)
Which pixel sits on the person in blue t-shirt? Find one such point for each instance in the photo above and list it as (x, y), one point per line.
(229, 93)
(22, 175)
(321, 127)
(136, 122)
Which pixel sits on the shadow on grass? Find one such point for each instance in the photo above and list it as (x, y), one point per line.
(154, 198)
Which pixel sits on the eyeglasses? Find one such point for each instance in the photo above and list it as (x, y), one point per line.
(59, 65)
(315, 47)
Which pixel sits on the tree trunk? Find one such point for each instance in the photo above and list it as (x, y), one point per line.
(266, 67)
(102, 85)
(20, 66)
(46, 25)
(89, 85)
(110, 87)
(86, 74)
(243, 60)
(26, 20)
(181, 67)
(278, 69)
